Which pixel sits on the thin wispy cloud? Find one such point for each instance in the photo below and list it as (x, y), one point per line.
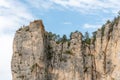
(89, 5)
(67, 23)
(87, 26)
(41, 4)
(82, 6)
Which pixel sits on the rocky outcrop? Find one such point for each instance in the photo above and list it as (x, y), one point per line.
(37, 57)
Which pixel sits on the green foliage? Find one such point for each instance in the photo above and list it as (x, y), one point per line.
(63, 59)
(85, 69)
(26, 28)
(20, 62)
(90, 55)
(102, 30)
(86, 38)
(49, 55)
(52, 36)
(108, 21)
(20, 54)
(71, 34)
(94, 37)
(116, 21)
(58, 42)
(68, 52)
(76, 31)
(64, 38)
(33, 67)
(57, 38)
(94, 34)
(68, 44)
(49, 47)
(22, 76)
(111, 27)
(113, 23)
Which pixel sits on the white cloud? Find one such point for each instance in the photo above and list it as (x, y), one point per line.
(83, 6)
(89, 26)
(45, 4)
(5, 56)
(67, 23)
(89, 5)
(13, 14)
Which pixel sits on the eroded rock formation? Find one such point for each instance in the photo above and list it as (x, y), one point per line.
(36, 57)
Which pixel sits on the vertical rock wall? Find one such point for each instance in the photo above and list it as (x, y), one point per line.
(28, 62)
(35, 57)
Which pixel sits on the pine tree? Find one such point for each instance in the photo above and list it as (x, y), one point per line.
(87, 38)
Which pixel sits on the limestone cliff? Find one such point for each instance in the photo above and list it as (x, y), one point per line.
(37, 57)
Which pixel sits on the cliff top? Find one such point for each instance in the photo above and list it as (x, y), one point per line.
(36, 24)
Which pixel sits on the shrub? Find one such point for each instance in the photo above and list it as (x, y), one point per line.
(102, 30)
(68, 52)
(49, 55)
(94, 37)
(33, 67)
(49, 47)
(86, 38)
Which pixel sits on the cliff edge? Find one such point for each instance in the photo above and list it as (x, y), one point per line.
(38, 57)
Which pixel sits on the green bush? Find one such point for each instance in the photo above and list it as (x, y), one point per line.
(33, 67)
(57, 38)
(68, 52)
(49, 47)
(102, 30)
(94, 37)
(49, 55)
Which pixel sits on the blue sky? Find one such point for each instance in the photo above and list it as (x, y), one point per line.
(59, 16)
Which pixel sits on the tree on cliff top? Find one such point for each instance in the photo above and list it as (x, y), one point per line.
(86, 38)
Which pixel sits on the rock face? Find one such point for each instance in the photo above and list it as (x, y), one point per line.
(36, 57)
